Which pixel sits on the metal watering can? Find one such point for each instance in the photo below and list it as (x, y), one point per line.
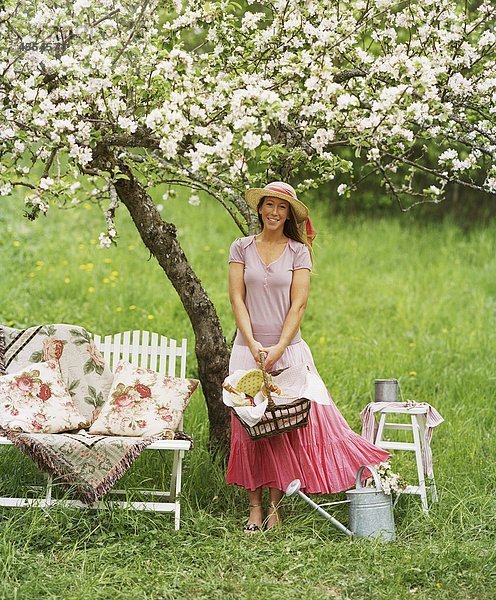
(370, 509)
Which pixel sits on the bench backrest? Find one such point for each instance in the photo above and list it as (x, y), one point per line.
(144, 349)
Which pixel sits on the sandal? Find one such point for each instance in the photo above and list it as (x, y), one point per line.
(250, 528)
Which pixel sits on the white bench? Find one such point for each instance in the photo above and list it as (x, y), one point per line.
(147, 350)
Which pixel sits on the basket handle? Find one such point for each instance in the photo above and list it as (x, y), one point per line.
(271, 403)
(375, 476)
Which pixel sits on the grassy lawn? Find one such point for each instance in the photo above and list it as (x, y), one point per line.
(390, 298)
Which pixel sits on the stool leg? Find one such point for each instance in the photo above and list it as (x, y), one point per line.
(429, 476)
(380, 429)
(420, 464)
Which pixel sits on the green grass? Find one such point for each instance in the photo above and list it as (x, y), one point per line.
(390, 298)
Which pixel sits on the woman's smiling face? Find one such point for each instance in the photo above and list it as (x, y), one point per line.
(274, 213)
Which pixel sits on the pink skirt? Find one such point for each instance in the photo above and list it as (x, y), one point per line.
(325, 455)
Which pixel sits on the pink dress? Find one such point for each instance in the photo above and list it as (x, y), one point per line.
(326, 454)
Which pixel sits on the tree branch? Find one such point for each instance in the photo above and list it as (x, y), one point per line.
(349, 74)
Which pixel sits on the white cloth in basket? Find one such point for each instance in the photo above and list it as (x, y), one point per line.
(295, 382)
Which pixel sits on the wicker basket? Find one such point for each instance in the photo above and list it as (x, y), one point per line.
(279, 418)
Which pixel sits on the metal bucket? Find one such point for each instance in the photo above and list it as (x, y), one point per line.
(386, 390)
(371, 510)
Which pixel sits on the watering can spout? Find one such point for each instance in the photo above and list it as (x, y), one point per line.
(294, 488)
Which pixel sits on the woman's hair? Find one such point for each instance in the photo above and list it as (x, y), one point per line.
(291, 229)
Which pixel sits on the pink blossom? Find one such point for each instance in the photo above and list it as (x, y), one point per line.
(164, 414)
(45, 392)
(39, 421)
(124, 401)
(25, 384)
(52, 349)
(95, 355)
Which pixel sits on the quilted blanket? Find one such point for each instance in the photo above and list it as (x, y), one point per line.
(90, 464)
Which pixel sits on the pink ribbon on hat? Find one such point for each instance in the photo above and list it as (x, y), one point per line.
(278, 188)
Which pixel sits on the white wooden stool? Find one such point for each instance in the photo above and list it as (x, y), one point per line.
(417, 417)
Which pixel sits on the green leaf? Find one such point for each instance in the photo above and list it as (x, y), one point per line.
(71, 386)
(36, 357)
(88, 367)
(90, 400)
(80, 334)
(98, 369)
(48, 330)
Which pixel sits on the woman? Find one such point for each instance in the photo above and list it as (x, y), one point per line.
(269, 276)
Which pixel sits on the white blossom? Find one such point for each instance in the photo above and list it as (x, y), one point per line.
(46, 182)
(105, 240)
(346, 100)
(321, 138)
(127, 124)
(251, 140)
(488, 38)
(250, 21)
(209, 107)
(5, 189)
(490, 184)
(447, 155)
(435, 190)
(373, 154)
(36, 202)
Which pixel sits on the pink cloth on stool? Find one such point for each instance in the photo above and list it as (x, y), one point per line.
(432, 419)
(325, 455)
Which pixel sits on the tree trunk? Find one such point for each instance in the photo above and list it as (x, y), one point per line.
(160, 238)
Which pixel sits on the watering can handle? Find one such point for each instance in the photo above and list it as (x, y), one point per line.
(377, 481)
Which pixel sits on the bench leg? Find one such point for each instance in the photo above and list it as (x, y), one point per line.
(175, 486)
(176, 464)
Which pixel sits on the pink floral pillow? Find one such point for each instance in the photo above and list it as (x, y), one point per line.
(143, 403)
(37, 400)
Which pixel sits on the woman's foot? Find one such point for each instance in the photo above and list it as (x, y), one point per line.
(255, 519)
(273, 516)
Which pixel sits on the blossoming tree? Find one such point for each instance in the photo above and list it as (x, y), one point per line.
(107, 99)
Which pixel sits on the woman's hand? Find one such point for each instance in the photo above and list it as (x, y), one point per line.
(274, 353)
(255, 348)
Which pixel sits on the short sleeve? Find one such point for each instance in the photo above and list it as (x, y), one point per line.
(302, 258)
(236, 252)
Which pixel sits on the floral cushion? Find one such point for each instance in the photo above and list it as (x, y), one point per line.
(83, 369)
(143, 403)
(36, 400)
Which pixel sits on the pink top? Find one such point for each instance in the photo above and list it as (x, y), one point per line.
(268, 287)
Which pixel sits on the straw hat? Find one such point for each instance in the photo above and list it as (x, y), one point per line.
(281, 190)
